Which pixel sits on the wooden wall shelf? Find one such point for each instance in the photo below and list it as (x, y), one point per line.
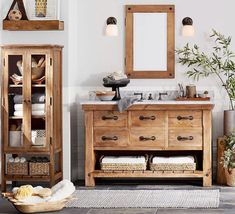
(26, 25)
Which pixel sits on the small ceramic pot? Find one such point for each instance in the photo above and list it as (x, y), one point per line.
(230, 177)
(191, 91)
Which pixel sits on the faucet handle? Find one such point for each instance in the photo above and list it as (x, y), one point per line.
(160, 95)
(141, 95)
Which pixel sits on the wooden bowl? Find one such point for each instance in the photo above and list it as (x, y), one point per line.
(36, 208)
(105, 95)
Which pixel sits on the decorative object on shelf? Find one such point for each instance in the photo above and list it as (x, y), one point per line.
(111, 28)
(228, 159)
(43, 9)
(187, 29)
(116, 80)
(38, 137)
(40, 8)
(17, 14)
(219, 63)
(191, 91)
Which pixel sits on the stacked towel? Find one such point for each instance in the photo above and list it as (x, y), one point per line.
(124, 159)
(172, 160)
(34, 113)
(37, 109)
(36, 98)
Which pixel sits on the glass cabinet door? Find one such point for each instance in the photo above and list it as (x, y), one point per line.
(40, 102)
(13, 99)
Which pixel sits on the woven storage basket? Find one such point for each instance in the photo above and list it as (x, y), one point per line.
(38, 168)
(230, 177)
(171, 166)
(17, 168)
(123, 166)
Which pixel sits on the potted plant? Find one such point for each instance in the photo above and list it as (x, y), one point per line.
(228, 159)
(220, 63)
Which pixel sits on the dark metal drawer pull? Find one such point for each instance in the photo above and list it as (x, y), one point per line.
(179, 138)
(185, 118)
(109, 117)
(142, 138)
(147, 118)
(104, 138)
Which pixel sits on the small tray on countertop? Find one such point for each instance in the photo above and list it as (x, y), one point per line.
(193, 99)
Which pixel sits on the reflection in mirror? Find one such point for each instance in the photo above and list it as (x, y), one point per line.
(150, 41)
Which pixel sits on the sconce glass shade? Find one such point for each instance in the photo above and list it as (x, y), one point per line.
(187, 29)
(111, 28)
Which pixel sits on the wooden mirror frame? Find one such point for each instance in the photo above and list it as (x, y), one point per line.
(129, 61)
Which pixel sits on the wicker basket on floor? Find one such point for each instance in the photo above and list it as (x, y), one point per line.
(38, 168)
(171, 166)
(17, 168)
(123, 166)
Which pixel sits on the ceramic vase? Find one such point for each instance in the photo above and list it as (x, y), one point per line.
(229, 122)
(230, 177)
(40, 8)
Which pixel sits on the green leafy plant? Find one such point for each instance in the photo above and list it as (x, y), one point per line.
(228, 159)
(219, 63)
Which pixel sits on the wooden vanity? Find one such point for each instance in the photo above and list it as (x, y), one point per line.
(148, 129)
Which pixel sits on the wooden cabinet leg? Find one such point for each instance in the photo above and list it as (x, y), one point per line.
(89, 181)
(3, 186)
(207, 180)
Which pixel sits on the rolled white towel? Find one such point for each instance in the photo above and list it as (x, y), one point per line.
(22, 160)
(172, 160)
(124, 159)
(17, 160)
(11, 160)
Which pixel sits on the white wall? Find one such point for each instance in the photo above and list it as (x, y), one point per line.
(89, 55)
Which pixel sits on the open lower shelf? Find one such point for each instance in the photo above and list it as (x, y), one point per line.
(45, 178)
(147, 174)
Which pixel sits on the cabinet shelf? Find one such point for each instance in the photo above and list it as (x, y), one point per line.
(32, 151)
(147, 174)
(35, 25)
(20, 86)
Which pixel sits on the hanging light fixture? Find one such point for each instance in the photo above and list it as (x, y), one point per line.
(187, 29)
(111, 28)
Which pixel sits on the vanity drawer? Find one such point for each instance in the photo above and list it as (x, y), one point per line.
(151, 137)
(110, 118)
(106, 137)
(147, 118)
(185, 119)
(185, 137)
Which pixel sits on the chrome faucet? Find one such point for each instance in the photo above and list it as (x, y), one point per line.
(161, 94)
(141, 96)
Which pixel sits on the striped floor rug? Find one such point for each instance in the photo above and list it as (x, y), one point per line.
(145, 199)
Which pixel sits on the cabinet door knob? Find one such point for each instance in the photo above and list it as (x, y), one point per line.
(110, 117)
(147, 118)
(185, 118)
(180, 138)
(142, 138)
(114, 138)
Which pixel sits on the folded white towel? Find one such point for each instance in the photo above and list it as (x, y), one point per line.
(35, 107)
(123, 159)
(180, 159)
(34, 113)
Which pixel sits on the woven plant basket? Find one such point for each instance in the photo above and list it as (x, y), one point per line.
(230, 177)
(123, 166)
(38, 168)
(17, 168)
(171, 166)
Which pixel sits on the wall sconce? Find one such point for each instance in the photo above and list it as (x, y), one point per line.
(187, 29)
(111, 28)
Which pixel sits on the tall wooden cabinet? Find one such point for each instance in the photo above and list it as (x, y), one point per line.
(20, 99)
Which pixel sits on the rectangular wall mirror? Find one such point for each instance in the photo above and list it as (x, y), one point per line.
(150, 41)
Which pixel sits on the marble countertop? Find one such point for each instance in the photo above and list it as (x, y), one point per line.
(147, 102)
